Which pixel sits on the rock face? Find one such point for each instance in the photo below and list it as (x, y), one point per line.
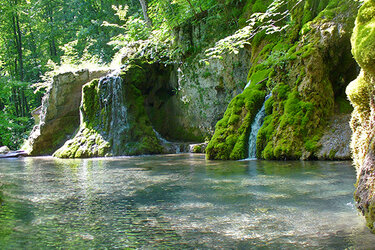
(4, 150)
(201, 94)
(361, 93)
(307, 70)
(60, 112)
(335, 141)
(183, 98)
(113, 120)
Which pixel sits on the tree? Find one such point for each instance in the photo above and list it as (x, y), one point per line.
(144, 5)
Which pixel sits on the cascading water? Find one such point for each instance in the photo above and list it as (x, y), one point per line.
(255, 126)
(115, 119)
(169, 147)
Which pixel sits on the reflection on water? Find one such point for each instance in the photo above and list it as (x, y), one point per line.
(178, 201)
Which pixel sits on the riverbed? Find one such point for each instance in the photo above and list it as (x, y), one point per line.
(178, 201)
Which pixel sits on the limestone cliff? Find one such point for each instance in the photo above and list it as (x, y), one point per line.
(113, 120)
(59, 116)
(306, 65)
(361, 94)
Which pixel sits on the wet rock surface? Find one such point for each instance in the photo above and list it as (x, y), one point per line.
(335, 143)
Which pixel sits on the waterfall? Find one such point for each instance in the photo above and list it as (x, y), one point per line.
(254, 129)
(112, 101)
(247, 85)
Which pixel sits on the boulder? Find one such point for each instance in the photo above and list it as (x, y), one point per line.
(4, 150)
(59, 113)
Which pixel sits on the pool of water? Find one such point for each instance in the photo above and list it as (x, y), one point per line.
(178, 201)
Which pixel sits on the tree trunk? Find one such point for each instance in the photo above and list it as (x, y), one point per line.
(20, 55)
(145, 14)
(20, 108)
(192, 8)
(52, 43)
(15, 100)
(17, 38)
(52, 48)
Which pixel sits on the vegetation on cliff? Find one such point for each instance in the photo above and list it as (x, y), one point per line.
(361, 94)
(297, 53)
(297, 50)
(113, 119)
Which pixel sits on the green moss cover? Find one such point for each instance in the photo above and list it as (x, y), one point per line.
(230, 140)
(302, 70)
(114, 120)
(361, 94)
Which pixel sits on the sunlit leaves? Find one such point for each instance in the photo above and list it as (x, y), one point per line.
(269, 22)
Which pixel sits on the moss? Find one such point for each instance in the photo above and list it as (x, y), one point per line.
(230, 140)
(251, 7)
(269, 105)
(260, 6)
(358, 92)
(259, 76)
(363, 39)
(102, 101)
(361, 94)
(332, 154)
(343, 104)
(197, 149)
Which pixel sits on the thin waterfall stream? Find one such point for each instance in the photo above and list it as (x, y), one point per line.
(115, 117)
(255, 127)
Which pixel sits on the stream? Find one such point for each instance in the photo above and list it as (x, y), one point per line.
(178, 201)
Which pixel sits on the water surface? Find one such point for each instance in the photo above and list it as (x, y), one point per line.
(179, 201)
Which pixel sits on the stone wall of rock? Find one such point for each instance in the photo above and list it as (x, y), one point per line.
(202, 93)
(361, 93)
(306, 70)
(59, 116)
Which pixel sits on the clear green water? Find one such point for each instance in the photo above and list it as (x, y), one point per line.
(179, 201)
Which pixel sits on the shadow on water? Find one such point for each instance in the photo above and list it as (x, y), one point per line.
(178, 201)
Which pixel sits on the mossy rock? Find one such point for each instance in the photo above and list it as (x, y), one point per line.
(113, 120)
(361, 94)
(230, 140)
(363, 39)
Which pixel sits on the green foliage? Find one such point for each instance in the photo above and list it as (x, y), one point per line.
(14, 127)
(134, 28)
(172, 13)
(260, 24)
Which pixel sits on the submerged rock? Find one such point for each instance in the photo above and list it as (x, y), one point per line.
(361, 93)
(59, 115)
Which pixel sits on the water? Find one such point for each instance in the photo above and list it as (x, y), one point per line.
(255, 127)
(179, 201)
(115, 117)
